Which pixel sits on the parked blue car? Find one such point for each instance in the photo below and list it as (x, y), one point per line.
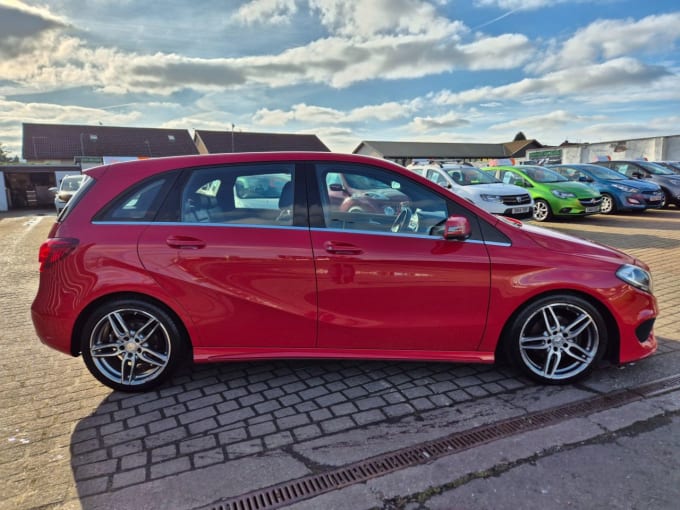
(618, 192)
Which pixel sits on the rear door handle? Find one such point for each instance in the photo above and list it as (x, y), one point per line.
(339, 248)
(185, 242)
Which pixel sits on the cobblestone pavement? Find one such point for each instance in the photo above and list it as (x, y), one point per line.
(67, 440)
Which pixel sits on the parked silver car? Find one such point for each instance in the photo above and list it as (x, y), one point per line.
(67, 187)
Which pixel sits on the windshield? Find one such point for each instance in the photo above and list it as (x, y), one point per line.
(71, 183)
(470, 176)
(655, 169)
(602, 172)
(362, 182)
(542, 174)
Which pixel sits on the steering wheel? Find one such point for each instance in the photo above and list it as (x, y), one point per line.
(402, 219)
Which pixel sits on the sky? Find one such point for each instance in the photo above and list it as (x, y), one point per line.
(346, 70)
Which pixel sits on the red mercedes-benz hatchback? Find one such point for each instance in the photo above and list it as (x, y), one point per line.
(159, 259)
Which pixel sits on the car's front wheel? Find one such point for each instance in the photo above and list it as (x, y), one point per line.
(557, 339)
(608, 205)
(541, 210)
(131, 345)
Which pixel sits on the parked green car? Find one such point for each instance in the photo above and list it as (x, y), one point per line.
(553, 194)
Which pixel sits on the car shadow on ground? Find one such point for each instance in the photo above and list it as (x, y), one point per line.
(212, 415)
(222, 412)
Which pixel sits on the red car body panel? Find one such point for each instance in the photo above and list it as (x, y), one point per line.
(247, 293)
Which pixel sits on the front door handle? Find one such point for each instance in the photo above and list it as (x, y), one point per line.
(185, 242)
(339, 248)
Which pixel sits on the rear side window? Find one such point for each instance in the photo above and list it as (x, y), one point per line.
(259, 194)
(141, 203)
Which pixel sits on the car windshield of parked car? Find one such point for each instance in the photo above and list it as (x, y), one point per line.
(541, 174)
(601, 172)
(470, 176)
(655, 169)
(71, 183)
(356, 181)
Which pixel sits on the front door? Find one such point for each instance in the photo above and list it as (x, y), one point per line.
(392, 282)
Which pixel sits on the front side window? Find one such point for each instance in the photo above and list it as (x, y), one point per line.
(357, 197)
(248, 194)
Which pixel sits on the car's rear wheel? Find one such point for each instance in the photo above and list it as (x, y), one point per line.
(608, 205)
(557, 339)
(541, 210)
(131, 345)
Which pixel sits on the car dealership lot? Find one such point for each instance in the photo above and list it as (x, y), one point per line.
(223, 430)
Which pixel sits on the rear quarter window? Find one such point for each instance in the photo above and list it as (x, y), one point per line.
(140, 203)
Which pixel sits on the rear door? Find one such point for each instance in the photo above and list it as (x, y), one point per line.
(232, 246)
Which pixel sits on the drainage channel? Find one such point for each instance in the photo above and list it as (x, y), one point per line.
(311, 486)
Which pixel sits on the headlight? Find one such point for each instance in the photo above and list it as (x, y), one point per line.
(635, 276)
(563, 194)
(491, 198)
(623, 187)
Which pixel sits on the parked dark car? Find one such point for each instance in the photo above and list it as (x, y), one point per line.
(155, 261)
(671, 165)
(618, 192)
(668, 180)
(357, 193)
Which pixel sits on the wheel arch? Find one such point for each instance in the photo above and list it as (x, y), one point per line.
(613, 334)
(84, 315)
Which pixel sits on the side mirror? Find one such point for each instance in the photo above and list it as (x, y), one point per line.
(583, 178)
(336, 187)
(457, 228)
(638, 175)
(53, 189)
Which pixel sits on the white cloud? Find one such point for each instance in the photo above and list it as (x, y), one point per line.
(317, 115)
(539, 123)
(615, 76)
(364, 19)
(266, 11)
(429, 123)
(607, 39)
(522, 4)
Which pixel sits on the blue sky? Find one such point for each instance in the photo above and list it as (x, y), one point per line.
(346, 70)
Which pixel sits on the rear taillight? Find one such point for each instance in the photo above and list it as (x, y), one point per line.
(53, 250)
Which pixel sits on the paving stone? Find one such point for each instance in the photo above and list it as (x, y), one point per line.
(170, 467)
(126, 478)
(205, 458)
(232, 436)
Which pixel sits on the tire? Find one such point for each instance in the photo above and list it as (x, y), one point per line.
(131, 345)
(542, 210)
(557, 339)
(608, 204)
(668, 198)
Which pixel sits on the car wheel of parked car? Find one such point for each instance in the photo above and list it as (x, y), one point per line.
(667, 199)
(541, 210)
(131, 345)
(608, 205)
(557, 339)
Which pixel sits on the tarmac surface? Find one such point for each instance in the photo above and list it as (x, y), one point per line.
(217, 434)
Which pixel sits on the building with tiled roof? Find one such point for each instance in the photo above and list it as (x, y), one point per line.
(405, 152)
(65, 143)
(214, 142)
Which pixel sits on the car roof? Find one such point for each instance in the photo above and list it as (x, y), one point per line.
(152, 166)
